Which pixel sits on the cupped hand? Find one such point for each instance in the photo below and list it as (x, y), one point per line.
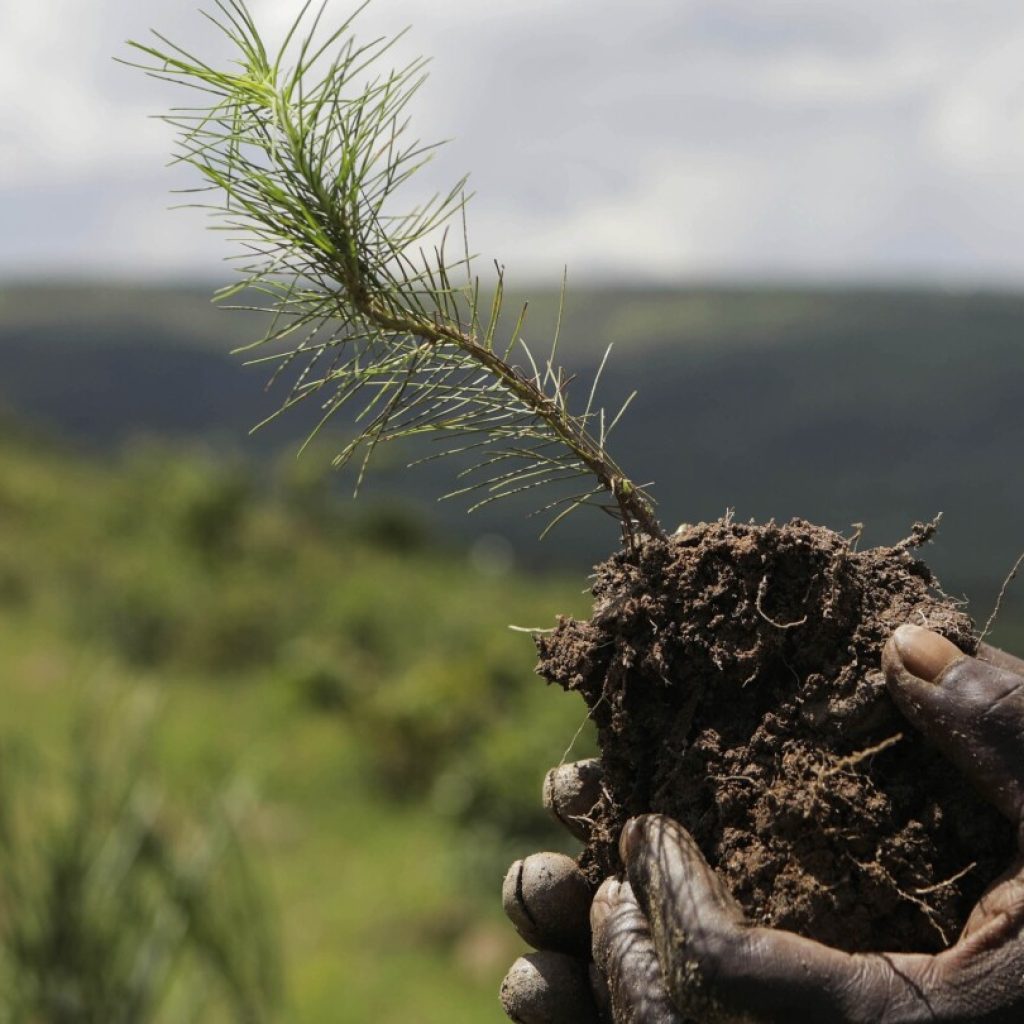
(717, 966)
(670, 944)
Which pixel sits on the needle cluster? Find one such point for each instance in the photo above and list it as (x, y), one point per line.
(308, 154)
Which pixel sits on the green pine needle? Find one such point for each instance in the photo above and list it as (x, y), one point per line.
(306, 152)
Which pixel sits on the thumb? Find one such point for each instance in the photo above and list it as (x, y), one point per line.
(971, 710)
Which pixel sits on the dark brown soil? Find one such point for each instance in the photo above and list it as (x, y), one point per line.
(733, 673)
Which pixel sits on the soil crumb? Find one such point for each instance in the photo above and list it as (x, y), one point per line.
(733, 672)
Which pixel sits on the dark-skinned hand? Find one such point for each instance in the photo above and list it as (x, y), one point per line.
(671, 946)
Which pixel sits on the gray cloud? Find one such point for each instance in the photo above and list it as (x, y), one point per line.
(677, 139)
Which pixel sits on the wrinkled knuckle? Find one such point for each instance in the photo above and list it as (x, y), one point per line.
(867, 988)
(726, 953)
(876, 991)
(707, 962)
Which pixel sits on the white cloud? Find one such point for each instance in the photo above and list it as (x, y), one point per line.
(673, 138)
(977, 120)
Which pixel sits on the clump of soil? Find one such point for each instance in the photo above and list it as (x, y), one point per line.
(733, 673)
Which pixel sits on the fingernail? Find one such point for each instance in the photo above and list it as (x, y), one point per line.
(925, 654)
(629, 841)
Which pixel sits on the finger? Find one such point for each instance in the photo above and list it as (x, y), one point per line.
(718, 967)
(994, 656)
(547, 898)
(571, 792)
(1000, 911)
(625, 954)
(971, 709)
(549, 988)
(687, 908)
(983, 970)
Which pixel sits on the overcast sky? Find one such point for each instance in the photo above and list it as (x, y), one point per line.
(665, 139)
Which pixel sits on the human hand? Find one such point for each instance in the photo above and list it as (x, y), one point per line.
(672, 945)
(548, 900)
(719, 967)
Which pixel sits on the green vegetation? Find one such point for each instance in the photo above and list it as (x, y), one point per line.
(120, 907)
(356, 675)
(900, 404)
(306, 155)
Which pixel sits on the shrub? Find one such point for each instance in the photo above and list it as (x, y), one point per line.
(117, 907)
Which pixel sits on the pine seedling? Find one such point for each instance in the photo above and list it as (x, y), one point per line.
(308, 153)
(730, 670)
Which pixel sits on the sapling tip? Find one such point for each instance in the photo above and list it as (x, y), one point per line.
(307, 157)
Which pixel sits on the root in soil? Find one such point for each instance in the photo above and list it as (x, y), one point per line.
(733, 672)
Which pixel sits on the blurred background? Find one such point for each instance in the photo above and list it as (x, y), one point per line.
(264, 751)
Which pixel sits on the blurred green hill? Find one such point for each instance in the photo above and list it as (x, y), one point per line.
(353, 671)
(840, 406)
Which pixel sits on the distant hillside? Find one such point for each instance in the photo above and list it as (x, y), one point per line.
(839, 406)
